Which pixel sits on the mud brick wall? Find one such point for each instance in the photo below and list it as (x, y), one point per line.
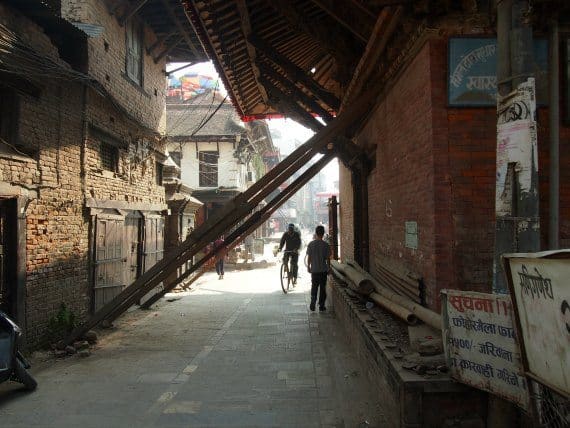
(435, 165)
(107, 63)
(63, 166)
(49, 130)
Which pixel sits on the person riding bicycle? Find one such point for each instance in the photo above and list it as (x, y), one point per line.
(292, 242)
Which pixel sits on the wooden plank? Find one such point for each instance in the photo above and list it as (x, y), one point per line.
(131, 10)
(180, 27)
(294, 72)
(296, 92)
(358, 23)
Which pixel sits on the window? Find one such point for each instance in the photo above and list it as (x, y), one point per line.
(159, 173)
(208, 169)
(134, 57)
(109, 157)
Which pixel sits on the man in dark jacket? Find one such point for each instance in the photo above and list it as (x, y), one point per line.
(292, 242)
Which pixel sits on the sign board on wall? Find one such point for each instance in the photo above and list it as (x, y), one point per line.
(540, 289)
(472, 71)
(480, 344)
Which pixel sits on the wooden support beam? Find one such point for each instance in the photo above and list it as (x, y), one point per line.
(284, 103)
(351, 155)
(353, 19)
(385, 26)
(295, 91)
(168, 49)
(294, 73)
(337, 46)
(131, 11)
(246, 29)
(160, 41)
(180, 27)
(231, 214)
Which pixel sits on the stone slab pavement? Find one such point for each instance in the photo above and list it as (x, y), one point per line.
(235, 352)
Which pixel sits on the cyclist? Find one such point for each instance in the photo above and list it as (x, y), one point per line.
(292, 242)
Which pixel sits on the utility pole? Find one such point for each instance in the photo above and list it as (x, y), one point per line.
(517, 216)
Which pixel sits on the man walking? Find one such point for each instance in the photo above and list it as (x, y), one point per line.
(318, 264)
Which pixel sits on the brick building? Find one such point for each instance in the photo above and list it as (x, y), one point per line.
(82, 117)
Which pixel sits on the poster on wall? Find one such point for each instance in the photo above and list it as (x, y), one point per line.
(517, 146)
(472, 71)
(480, 344)
(540, 290)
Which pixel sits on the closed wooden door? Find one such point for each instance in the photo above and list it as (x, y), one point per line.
(8, 256)
(153, 241)
(133, 247)
(110, 260)
(153, 247)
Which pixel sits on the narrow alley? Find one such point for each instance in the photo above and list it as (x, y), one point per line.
(236, 352)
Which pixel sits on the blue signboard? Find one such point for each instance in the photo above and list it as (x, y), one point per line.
(472, 71)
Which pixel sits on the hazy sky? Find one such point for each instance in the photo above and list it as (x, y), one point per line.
(285, 132)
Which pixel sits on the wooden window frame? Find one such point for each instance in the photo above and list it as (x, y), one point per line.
(208, 170)
(134, 57)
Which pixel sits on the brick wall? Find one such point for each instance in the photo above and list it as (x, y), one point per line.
(436, 165)
(63, 167)
(107, 63)
(401, 187)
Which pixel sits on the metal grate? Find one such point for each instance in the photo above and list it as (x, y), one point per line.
(553, 410)
(109, 157)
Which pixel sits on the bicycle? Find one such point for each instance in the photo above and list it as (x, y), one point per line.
(287, 278)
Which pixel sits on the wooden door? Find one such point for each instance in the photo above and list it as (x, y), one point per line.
(153, 247)
(8, 256)
(110, 259)
(153, 241)
(133, 247)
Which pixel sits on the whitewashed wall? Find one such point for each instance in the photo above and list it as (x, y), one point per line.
(230, 172)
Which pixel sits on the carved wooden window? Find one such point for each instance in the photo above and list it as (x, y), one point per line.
(134, 57)
(208, 169)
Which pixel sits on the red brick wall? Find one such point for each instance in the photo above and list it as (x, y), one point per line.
(401, 187)
(436, 165)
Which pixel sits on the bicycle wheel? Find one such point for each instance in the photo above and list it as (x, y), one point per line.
(285, 279)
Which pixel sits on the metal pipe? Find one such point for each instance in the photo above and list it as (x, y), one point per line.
(428, 316)
(554, 118)
(394, 308)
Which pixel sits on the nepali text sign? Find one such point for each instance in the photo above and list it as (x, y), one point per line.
(472, 79)
(540, 289)
(480, 346)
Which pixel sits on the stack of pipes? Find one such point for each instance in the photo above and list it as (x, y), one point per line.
(363, 283)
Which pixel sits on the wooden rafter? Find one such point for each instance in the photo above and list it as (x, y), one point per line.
(246, 29)
(168, 49)
(131, 10)
(180, 27)
(295, 92)
(297, 22)
(160, 41)
(383, 30)
(353, 19)
(295, 73)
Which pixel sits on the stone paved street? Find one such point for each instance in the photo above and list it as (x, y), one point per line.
(229, 353)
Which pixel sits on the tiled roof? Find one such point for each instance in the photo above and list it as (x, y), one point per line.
(187, 119)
